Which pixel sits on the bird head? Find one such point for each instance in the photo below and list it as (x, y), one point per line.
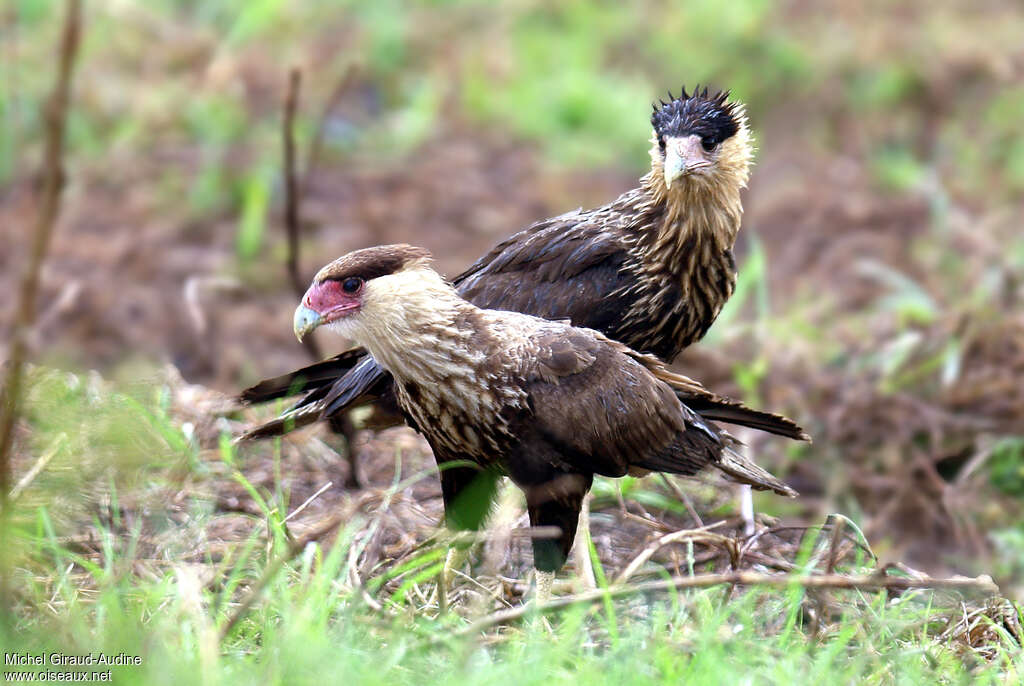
(360, 288)
(700, 138)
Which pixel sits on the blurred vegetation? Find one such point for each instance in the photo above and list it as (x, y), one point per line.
(574, 77)
(879, 299)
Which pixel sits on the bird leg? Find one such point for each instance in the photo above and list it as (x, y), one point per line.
(467, 493)
(342, 424)
(454, 560)
(544, 583)
(555, 503)
(581, 549)
(746, 438)
(747, 509)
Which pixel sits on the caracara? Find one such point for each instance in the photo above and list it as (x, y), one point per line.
(546, 403)
(651, 269)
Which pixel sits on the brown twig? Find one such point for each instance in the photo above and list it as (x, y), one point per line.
(982, 583)
(55, 117)
(317, 144)
(698, 535)
(291, 195)
(834, 542)
(683, 498)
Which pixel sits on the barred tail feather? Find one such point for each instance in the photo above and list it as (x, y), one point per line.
(287, 422)
(721, 409)
(741, 470)
(734, 412)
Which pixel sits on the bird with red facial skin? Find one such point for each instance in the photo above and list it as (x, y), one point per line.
(498, 393)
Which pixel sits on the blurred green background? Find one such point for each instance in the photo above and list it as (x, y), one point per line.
(881, 257)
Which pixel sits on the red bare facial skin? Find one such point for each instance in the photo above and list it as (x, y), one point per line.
(329, 300)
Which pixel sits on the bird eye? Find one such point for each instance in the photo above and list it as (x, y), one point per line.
(708, 144)
(351, 284)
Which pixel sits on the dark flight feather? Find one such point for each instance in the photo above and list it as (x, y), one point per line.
(313, 377)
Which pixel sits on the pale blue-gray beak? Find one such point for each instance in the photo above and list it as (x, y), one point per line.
(683, 156)
(305, 320)
(675, 165)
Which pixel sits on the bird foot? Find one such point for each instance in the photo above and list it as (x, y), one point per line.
(455, 559)
(544, 582)
(581, 550)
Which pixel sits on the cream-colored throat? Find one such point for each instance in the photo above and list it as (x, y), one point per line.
(696, 220)
(409, 323)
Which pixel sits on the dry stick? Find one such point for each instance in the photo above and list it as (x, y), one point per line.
(685, 499)
(703, 536)
(53, 182)
(815, 597)
(308, 500)
(982, 583)
(294, 548)
(40, 464)
(291, 195)
(317, 144)
(833, 546)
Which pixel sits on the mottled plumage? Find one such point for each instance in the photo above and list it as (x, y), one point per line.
(548, 404)
(651, 269)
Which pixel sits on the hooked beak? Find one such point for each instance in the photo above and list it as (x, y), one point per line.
(683, 156)
(323, 303)
(306, 319)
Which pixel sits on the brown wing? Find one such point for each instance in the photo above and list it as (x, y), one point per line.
(566, 267)
(604, 412)
(716, 407)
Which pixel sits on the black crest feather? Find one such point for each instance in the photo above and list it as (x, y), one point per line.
(712, 117)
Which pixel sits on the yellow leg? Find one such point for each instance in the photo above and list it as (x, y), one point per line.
(581, 548)
(455, 559)
(544, 581)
